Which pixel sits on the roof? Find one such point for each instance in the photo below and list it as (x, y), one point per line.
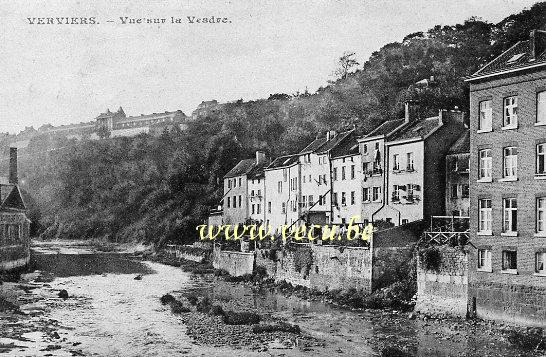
(346, 148)
(462, 145)
(283, 161)
(242, 168)
(519, 56)
(148, 116)
(257, 171)
(332, 143)
(418, 129)
(315, 145)
(386, 128)
(5, 190)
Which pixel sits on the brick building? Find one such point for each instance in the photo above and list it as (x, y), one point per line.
(508, 186)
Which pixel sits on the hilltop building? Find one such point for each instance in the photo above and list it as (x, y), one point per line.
(118, 124)
(507, 185)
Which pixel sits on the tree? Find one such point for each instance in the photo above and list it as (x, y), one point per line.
(345, 64)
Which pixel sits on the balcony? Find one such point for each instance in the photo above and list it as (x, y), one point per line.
(452, 230)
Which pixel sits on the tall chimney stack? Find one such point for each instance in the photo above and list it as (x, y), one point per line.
(260, 157)
(410, 111)
(13, 178)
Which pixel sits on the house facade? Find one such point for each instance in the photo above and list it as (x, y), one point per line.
(508, 186)
(346, 182)
(14, 224)
(415, 167)
(282, 195)
(238, 187)
(457, 190)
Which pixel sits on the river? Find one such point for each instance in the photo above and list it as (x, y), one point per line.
(109, 313)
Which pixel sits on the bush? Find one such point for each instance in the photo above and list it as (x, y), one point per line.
(216, 310)
(531, 340)
(241, 318)
(167, 299)
(276, 327)
(178, 308)
(192, 299)
(204, 305)
(431, 258)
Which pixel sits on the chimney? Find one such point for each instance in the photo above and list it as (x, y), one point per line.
(13, 179)
(537, 43)
(260, 157)
(330, 134)
(451, 116)
(410, 111)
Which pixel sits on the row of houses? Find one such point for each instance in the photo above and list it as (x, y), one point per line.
(412, 168)
(396, 174)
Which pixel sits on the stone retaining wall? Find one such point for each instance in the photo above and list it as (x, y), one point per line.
(444, 290)
(235, 263)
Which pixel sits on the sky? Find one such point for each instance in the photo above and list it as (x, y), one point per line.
(63, 74)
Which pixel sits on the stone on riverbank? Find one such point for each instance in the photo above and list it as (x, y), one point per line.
(241, 318)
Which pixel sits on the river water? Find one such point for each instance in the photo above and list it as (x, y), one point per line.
(109, 313)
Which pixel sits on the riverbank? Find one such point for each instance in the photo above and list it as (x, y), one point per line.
(390, 303)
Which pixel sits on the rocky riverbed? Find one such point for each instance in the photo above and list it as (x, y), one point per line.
(110, 313)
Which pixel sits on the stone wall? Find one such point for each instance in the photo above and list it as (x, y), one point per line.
(235, 263)
(444, 290)
(522, 304)
(267, 259)
(14, 257)
(188, 252)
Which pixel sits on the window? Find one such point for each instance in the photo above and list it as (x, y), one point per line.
(395, 162)
(258, 209)
(510, 162)
(376, 194)
(352, 172)
(352, 197)
(234, 202)
(365, 167)
(486, 115)
(540, 257)
(365, 194)
(485, 164)
(269, 207)
(510, 215)
(284, 174)
(541, 215)
(541, 107)
(484, 216)
(253, 209)
(229, 183)
(405, 221)
(343, 173)
(252, 193)
(396, 193)
(229, 202)
(335, 199)
(364, 149)
(240, 182)
(321, 200)
(465, 191)
(311, 201)
(283, 207)
(409, 165)
(484, 259)
(510, 112)
(509, 260)
(343, 199)
(454, 191)
(279, 187)
(541, 159)
(240, 201)
(304, 178)
(304, 201)
(334, 174)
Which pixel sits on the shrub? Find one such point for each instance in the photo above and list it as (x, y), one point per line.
(431, 258)
(241, 318)
(178, 308)
(167, 299)
(276, 327)
(216, 310)
(204, 305)
(192, 299)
